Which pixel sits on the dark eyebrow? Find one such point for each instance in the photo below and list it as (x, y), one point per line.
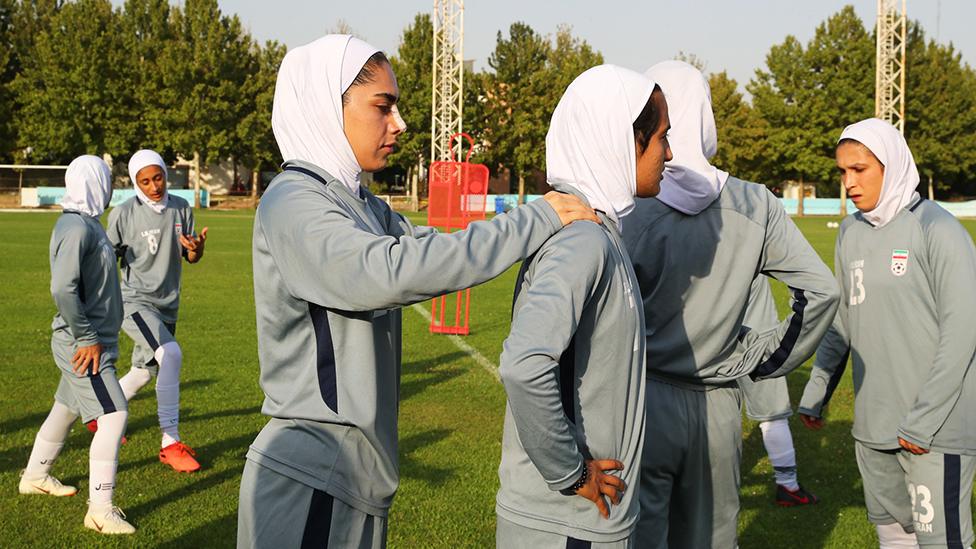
(388, 96)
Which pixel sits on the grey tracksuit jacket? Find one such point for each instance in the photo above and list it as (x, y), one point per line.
(331, 270)
(906, 320)
(573, 368)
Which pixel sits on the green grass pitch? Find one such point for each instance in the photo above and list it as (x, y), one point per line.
(450, 418)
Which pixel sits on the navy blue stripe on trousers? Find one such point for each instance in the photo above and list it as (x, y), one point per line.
(778, 358)
(105, 399)
(318, 524)
(145, 331)
(573, 543)
(325, 362)
(950, 493)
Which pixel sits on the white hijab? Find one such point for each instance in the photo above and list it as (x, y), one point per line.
(141, 160)
(307, 113)
(900, 174)
(590, 144)
(88, 186)
(690, 182)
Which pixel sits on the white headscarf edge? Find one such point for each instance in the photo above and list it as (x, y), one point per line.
(590, 142)
(140, 160)
(88, 186)
(690, 182)
(900, 173)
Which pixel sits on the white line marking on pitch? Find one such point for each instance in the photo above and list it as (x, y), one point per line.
(461, 344)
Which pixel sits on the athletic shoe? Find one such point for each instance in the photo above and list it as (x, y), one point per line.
(46, 485)
(179, 456)
(107, 519)
(794, 498)
(93, 427)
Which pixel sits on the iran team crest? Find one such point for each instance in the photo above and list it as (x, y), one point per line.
(899, 262)
(178, 228)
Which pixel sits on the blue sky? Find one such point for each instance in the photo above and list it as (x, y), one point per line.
(733, 35)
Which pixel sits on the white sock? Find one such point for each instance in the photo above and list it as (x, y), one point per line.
(779, 445)
(893, 536)
(103, 457)
(170, 359)
(49, 441)
(135, 379)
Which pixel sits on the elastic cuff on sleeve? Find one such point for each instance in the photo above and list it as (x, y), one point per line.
(809, 412)
(567, 480)
(926, 444)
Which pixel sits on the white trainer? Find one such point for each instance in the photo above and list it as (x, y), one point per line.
(46, 485)
(107, 519)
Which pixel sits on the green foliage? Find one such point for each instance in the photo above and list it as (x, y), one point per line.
(259, 147)
(531, 72)
(412, 66)
(806, 96)
(741, 133)
(72, 86)
(185, 78)
(89, 78)
(7, 73)
(940, 117)
(204, 69)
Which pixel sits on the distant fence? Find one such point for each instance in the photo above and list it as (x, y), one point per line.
(35, 197)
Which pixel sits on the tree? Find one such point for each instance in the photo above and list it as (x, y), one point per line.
(412, 65)
(940, 114)
(254, 129)
(806, 97)
(741, 133)
(147, 34)
(204, 70)
(72, 88)
(519, 63)
(531, 72)
(8, 71)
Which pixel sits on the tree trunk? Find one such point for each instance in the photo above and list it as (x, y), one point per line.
(799, 203)
(521, 189)
(931, 188)
(255, 183)
(196, 180)
(413, 174)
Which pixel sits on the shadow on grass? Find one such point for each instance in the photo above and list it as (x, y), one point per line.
(414, 466)
(29, 421)
(220, 532)
(150, 421)
(424, 373)
(826, 466)
(204, 480)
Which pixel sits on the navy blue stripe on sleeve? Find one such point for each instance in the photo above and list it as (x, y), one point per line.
(325, 356)
(836, 377)
(778, 358)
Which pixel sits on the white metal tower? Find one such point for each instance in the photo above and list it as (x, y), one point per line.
(889, 82)
(448, 71)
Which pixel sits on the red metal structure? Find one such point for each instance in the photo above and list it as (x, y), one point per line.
(457, 196)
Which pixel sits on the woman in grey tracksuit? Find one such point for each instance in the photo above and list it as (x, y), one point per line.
(573, 364)
(332, 266)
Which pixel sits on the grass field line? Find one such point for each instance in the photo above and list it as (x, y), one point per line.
(488, 365)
